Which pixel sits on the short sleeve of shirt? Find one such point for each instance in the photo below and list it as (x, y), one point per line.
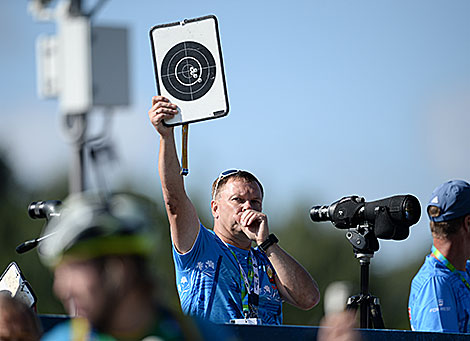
(437, 309)
(197, 278)
(185, 260)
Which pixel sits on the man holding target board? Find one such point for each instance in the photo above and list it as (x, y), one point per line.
(219, 275)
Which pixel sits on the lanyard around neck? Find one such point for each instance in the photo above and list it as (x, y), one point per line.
(249, 308)
(436, 253)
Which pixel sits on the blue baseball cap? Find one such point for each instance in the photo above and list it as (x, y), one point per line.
(453, 198)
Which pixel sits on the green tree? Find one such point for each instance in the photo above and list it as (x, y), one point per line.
(15, 228)
(322, 249)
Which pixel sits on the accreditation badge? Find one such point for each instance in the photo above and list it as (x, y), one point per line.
(250, 320)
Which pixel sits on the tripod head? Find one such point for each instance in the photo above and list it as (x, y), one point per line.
(362, 239)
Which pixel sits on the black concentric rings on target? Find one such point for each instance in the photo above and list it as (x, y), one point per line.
(188, 71)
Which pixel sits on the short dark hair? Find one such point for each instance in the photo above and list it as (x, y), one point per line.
(19, 314)
(443, 229)
(239, 175)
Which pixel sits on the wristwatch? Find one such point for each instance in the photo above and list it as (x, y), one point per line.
(272, 239)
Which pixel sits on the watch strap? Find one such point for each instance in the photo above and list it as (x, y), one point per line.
(272, 239)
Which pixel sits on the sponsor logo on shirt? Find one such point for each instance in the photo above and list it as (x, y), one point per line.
(440, 307)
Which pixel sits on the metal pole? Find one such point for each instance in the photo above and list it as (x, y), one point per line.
(66, 74)
(77, 169)
(76, 127)
(76, 92)
(75, 7)
(364, 319)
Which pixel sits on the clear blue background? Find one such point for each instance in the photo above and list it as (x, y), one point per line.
(327, 99)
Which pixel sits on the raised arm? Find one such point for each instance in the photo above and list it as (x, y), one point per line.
(184, 222)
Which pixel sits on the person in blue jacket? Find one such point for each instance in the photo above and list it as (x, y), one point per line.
(440, 292)
(220, 276)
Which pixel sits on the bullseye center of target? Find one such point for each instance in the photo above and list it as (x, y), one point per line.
(188, 71)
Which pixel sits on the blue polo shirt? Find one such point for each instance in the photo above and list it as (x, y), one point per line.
(439, 300)
(209, 282)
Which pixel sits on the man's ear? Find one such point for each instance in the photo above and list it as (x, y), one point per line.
(215, 209)
(466, 223)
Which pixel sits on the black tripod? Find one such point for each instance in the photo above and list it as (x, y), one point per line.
(389, 218)
(365, 244)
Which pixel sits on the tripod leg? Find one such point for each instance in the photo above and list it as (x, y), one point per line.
(353, 303)
(360, 301)
(376, 313)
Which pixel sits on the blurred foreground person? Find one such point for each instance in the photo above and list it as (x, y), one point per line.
(98, 249)
(440, 292)
(339, 326)
(17, 321)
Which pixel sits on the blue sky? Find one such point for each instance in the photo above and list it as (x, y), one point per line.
(327, 99)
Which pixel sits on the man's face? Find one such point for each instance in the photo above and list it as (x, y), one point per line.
(235, 197)
(79, 285)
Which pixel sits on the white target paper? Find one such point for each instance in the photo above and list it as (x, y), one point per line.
(189, 68)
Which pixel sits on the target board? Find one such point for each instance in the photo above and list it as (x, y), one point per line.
(189, 69)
